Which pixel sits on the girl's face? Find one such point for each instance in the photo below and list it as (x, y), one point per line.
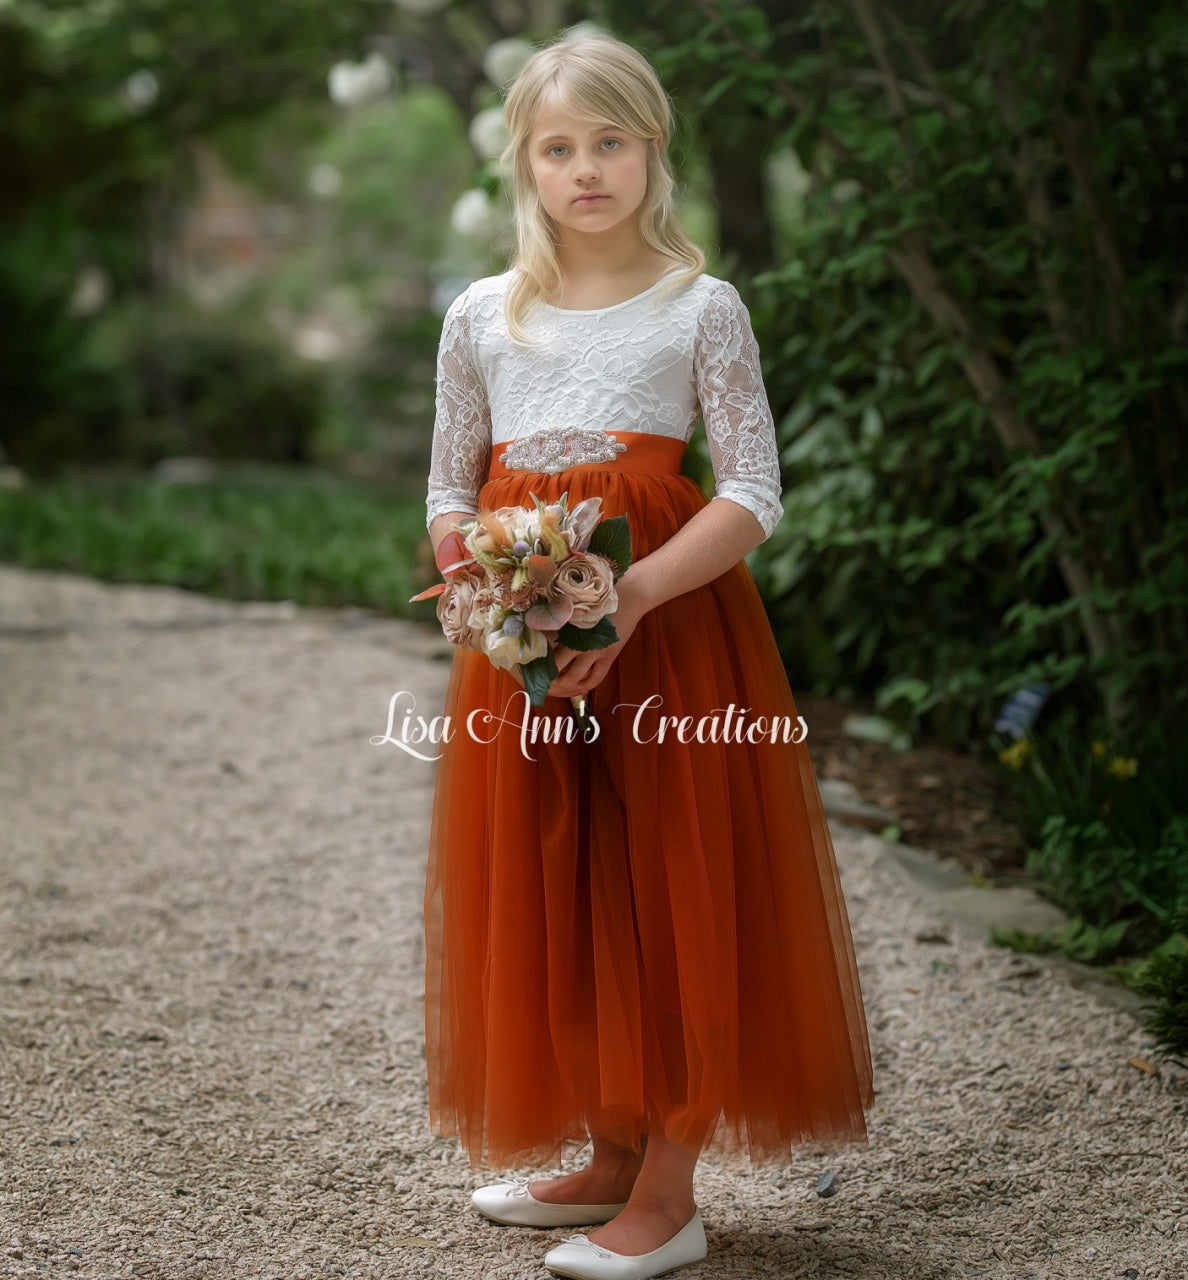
(591, 178)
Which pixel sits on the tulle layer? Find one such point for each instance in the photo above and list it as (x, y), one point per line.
(639, 934)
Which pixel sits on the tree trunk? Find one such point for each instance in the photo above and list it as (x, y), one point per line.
(744, 224)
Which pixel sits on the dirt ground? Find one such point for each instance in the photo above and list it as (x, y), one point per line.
(210, 1000)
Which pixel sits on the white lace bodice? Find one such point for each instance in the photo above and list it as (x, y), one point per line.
(655, 363)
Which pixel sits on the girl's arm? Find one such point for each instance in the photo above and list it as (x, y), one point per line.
(713, 541)
(461, 431)
(746, 505)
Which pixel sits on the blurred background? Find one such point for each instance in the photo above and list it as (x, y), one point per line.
(228, 234)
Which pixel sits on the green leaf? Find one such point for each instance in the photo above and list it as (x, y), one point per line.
(612, 539)
(538, 675)
(586, 639)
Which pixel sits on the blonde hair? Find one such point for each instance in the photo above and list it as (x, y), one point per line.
(600, 79)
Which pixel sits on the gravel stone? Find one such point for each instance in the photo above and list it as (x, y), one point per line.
(211, 1051)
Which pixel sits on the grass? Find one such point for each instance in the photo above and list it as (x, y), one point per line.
(256, 534)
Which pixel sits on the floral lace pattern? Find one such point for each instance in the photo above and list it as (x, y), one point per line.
(655, 363)
(553, 449)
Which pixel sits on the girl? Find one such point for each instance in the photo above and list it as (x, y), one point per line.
(639, 938)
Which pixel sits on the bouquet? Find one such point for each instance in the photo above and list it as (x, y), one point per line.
(533, 578)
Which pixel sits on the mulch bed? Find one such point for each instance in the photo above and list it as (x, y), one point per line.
(947, 801)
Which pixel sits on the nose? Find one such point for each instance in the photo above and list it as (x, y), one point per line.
(586, 169)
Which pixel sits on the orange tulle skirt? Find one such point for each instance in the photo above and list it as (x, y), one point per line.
(639, 934)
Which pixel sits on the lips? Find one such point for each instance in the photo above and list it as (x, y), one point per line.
(590, 200)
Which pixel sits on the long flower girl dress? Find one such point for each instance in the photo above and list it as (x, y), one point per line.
(639, 933)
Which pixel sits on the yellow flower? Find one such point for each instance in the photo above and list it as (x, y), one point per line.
(1099, 749)
(1015, 756)
(1122, 766)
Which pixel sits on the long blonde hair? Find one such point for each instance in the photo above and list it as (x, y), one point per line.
(604, 80)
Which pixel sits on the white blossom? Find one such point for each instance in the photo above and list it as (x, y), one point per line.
(320, 343)
(488, 133)
(141, 90)
(355, 84)
(325, 180)
(580, 29)
(92, 288)
(503, 60)
(474, 215)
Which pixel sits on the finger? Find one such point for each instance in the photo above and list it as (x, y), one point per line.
(565, 658)
(582, 676)
(574, 680)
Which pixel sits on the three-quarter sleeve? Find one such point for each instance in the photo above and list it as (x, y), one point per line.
(738, 422)
(462, 420)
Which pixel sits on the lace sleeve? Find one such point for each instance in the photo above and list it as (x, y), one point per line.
(738, 422)
(462, 423)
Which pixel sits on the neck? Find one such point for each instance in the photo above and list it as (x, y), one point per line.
(621, 252)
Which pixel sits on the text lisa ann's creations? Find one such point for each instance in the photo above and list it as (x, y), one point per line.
(418, 734)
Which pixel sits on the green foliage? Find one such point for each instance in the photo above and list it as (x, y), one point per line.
(587, 639)
(1164, 978)
(612, 539)
(968, 319)
(104, 184)
(368, 264)
(1109, 839)
(538, 675)
(271, 535)
(1078, 940)
(972, 317)
(188, 382)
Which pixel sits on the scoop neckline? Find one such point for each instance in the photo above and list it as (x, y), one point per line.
(614, 306)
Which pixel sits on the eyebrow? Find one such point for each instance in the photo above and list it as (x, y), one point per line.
(564, 137)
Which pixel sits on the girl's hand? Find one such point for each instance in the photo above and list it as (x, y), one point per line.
(581, 671)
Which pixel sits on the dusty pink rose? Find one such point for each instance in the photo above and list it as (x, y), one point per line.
(590, 583)
(457, 613)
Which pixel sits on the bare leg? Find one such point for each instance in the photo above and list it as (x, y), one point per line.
(607, 1179)
(661, 1201)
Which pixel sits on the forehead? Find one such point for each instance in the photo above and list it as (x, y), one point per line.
(557, 119)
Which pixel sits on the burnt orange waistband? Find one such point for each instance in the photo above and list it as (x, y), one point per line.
(656, 455)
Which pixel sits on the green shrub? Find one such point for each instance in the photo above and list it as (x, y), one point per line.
(1107, 830)
(1164, 978)
(273, 535)
(182, 381)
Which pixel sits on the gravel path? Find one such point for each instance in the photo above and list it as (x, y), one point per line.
(210, 1038)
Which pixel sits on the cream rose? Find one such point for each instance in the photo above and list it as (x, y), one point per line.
(590, 583)
(513, 643)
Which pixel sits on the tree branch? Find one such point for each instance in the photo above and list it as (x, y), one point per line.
(1028, 168)
(1079, 162)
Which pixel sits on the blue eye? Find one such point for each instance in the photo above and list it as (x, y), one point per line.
(555, 150)
(613, 143)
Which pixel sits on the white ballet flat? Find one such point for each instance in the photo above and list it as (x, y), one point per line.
(511, 1203)
(582, 1259)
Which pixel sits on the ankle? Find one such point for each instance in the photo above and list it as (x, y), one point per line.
(616, 1166)
(674, 1204)
(586, 1186)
